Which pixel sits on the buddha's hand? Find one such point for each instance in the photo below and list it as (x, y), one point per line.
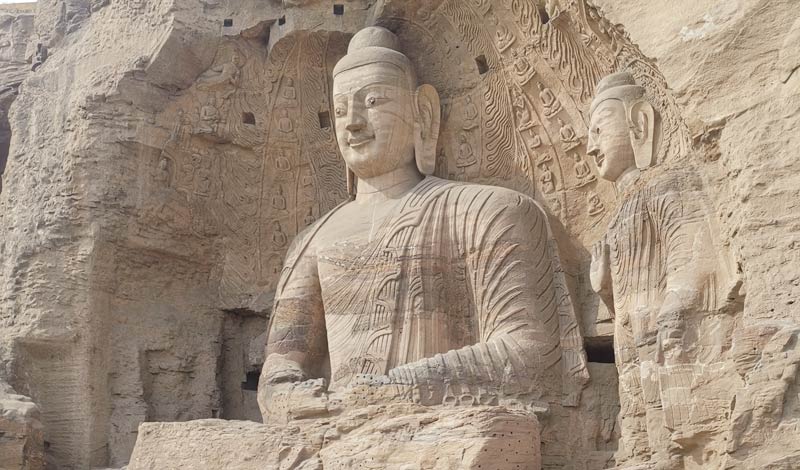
(296, 400)
(368, 389)
(600, 272)
(671, 327)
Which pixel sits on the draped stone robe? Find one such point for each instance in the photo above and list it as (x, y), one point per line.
(459, 287)
(661, 244)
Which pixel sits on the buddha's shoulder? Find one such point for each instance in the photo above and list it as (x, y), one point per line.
(307, 240)
(672, 181)
(485, 197)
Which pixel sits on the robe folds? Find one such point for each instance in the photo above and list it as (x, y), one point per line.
(460, 287)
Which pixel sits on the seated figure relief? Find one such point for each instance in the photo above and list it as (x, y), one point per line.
(417, 291)
(658, 270)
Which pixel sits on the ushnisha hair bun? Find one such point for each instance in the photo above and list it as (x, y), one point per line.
(620, 86)
(375, 44)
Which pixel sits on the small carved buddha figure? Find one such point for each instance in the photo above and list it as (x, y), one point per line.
(182, 132)
(595, 205)
(223, 80)
(546, 179)
(524, 121)
(289, 93)
(209, 117)
(203, 176)
(543, 158)
(470, 115)
(307, 180)
(569, 139)
(279, 200)
(163, 175)
(659, 271)
(522, 67)
(534, 140)
(278, 237)
(466, 155)
(272, 77)
(419, 290)
(286, 126)
(282, 162)
(582, 170)
(549, 101)
(504, 38)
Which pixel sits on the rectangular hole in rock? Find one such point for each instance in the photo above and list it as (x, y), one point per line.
(324, 120)
(600, 349)
(227, 22)
(248, 118)
(281, 21)
(251, 383)
(483, 66)
(338, 9)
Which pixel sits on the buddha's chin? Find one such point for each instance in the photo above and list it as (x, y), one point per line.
(361, 158)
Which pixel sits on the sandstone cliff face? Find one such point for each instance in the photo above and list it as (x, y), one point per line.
(16, 26)
(122, 300)
(153, 183)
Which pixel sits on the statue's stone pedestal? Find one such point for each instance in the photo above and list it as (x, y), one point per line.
(392, 437)
(217, 444)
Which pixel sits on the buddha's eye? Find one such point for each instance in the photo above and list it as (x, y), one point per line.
(339, 111)
(373, 99)
(596, 131)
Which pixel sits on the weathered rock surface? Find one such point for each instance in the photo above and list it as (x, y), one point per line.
(16, 29)
(149, 197)
(21, 438)
(733, 68)
(397, 437)
(217, 444)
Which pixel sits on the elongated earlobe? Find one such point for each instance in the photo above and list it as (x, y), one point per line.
(426, 128)
(642, 121)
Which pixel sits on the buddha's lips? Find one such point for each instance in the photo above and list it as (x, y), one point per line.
(599, 158)
(359, 141)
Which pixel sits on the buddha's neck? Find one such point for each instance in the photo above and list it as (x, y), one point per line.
(627, 179)
(388, 186)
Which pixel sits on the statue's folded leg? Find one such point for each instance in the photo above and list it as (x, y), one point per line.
(406, 437)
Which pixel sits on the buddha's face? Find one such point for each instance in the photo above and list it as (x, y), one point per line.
(374, 123)
(610, 140)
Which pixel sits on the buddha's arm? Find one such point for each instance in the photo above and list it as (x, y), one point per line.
(517, 326)
(296, 344)
(690, 260)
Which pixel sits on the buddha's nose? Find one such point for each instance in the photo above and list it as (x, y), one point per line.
(355, 122)
(591, 146)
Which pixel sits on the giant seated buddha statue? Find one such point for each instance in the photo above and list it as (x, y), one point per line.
(425, 322)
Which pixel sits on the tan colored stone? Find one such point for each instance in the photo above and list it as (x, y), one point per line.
(214, 444)
(21, 442)
(394, 437)
(165, 153)
(665, 278)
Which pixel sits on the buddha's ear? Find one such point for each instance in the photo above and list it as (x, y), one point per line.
(642, 121)
(426, 128)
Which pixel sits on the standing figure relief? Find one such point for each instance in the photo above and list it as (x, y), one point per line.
(659, 271)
